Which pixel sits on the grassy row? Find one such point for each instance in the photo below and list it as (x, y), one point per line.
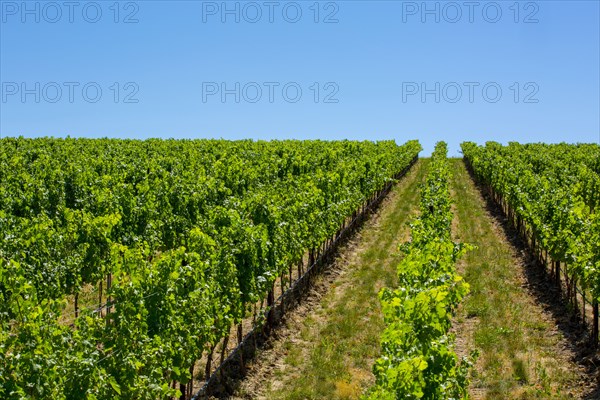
(325, 355)
(523, 353)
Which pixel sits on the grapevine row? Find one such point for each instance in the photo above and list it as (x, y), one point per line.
(418, 360)
(188, 235)
(550, 194)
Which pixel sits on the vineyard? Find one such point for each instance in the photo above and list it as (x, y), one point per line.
(180, 238)
(143, 269)
(550, 194)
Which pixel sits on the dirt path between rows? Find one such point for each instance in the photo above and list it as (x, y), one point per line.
(527, 349)
(326, 347)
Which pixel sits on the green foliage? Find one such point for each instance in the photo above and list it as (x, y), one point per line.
(555, 191)
(192, 233)
(418, 360)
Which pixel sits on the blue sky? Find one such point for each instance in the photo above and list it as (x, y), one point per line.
(453, 71)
